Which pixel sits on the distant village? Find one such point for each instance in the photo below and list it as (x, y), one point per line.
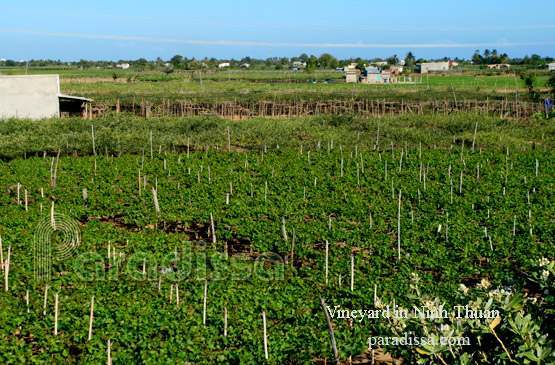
(369, 71)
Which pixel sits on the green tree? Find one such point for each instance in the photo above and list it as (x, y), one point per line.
(409, 59)
(530, 81)
(326, 60)
(393, 60)
(477, 59)
(176, 61)
(312, 62)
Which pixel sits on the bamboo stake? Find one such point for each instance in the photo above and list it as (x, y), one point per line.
(293, 247)
(93, 146)
(474, 138)
(56, 314)
(7, 268)
(225, 321)
(265, 190)
(151, 154)
(1, 254)
(91, 318)
(330, 330)
(53, 182)
(265, 337)
(399, 228)
(45, 298)
(283, 230)
(327, 256)
(204, 303)
(27, 299)
(109, 353)
(155, 196)
(213, 228)
(352, 272)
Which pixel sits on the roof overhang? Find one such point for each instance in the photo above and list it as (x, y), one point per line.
(70, 97)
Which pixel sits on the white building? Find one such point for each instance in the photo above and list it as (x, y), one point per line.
(223, 65)
(433, 67)
(551, 66)
(352, 66)
(37, 97)
(123, 66)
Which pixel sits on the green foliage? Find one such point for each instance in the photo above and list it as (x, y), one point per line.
(340, 194)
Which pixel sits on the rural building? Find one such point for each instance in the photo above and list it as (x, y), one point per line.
(396, 70)
(36, 97)
(245, 65)
(499, 66)
(433, 67)
(352, 76)
(298, 64)
(223, 65)
(351, 67)
(123, 66)
(551, 66)
(375, 75)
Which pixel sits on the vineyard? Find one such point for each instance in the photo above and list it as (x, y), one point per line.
(203, 240)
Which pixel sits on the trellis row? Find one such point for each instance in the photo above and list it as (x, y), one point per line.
(372, 108)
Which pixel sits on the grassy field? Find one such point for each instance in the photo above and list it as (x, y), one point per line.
(282, 86)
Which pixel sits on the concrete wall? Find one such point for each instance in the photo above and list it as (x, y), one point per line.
(32, 97)
(351, 77)
(434, 66)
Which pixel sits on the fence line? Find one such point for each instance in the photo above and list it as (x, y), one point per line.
(367, 108)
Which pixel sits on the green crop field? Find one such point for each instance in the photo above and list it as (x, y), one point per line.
(205, 240)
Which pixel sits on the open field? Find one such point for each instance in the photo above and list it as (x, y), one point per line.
(413, 211)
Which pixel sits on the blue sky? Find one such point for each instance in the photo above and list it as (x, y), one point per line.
(127, 30)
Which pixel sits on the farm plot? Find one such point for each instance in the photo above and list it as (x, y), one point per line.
(216, 256)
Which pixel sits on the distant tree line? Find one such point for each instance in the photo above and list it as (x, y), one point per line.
(308, 63)
(493, 57)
